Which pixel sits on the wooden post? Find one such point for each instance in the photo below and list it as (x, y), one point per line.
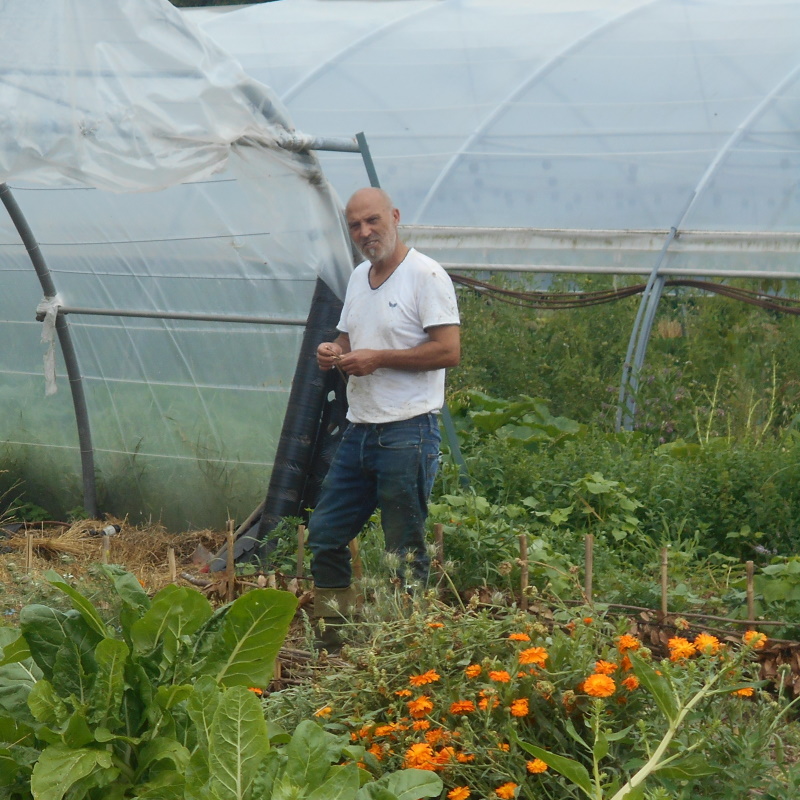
(106, 548)
(358, 572)
(230, 572)
(173, 570)
(438, 536)
(28, 552)
(523, 571)
(664, 582)
(588, 578)
(301, 549)
(751, 606)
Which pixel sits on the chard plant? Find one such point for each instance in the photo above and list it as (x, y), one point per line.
(157, 704)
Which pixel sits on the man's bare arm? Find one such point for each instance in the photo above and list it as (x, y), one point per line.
(443, 349)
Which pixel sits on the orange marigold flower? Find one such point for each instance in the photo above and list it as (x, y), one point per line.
(570, 626)
(403, 692)
(435, 625)
(680, 648)
(506, 791)
(376, 750)
(483, 703)
(420, 725)
(465, 758)
(325, 711)
(444, 756)
(255, 690)
(473, 670)
(431, 676)
(436, 736)
(499, 675)
(533, 655)
(419, 756)
(536, 766)
(746, 691)
(459, 793)
(587, 620)
(599, 686)
(625, 665)
(631, 683)
(605, 667)
(627, 642)
(503, 746)
(387, 730)
(519, 637)
(755, 639)
(462, 707)
(519, 708)
(420, 706)
(707, 644)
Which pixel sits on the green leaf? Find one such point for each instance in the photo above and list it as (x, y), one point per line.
(105, 697)
(244, 647)
(127, 586)
(310, 753)
(657, 685)
(16, 682)
(570, 769)
(238, 744)
(176, 611)
(46, 706)
(202, 706)
(572, 731)
(342, 783)
(600, 749)
(59, 767)
(15, 648)
(410, 784)
(161, 749)
(79, 603)
(692, 766)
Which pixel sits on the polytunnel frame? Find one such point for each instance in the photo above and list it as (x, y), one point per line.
(294, 143)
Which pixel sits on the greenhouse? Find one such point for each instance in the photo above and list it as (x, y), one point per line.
(183, 169)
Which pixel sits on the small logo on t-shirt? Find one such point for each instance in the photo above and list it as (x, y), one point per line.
(392, 305)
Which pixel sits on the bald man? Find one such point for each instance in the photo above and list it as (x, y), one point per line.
(398, 332)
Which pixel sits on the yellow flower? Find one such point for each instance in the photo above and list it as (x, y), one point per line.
(420, 706)
(499, 675)
(533, 655)
(519, 637)
(755, 639)
(680, 648)
(631, 683)
(707, 644)
(473, 670)
(419, 756)
(627, 642)
(605, 667)
(323, 712)
(519, 708)
(431, 676)
(506, 791)
(746, 691)
(536, 766)
(459, 793)
(599, 686)
(462, 707)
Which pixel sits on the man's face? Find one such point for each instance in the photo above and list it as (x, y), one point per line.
(373, 227)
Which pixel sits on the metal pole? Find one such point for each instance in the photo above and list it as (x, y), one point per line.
(67, 350)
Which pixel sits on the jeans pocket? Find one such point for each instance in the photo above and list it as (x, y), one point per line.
(399, 436)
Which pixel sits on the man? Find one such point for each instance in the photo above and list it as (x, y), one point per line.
(399, 330)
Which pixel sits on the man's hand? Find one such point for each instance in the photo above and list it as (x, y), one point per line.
(360, 362)
(328, 355)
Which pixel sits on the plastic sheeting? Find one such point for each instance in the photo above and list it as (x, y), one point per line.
(105, 103)
(579, 114)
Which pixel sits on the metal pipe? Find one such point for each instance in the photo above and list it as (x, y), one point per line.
(67, 350)
(126, 312)
(366, 156)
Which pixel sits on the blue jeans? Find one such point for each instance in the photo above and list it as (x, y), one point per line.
(390, 466)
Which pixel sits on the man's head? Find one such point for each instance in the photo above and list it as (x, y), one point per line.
(372, 221)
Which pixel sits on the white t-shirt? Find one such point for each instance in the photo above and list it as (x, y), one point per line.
(417, 295)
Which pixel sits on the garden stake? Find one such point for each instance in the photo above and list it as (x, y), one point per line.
(751, 613)
(106, 548)
(589, 567)
(358, 573)
(230, 572)
(664, 564)
(523, 571)
(28, 552)
(301, 543)
(173, 571)
(438, 533)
